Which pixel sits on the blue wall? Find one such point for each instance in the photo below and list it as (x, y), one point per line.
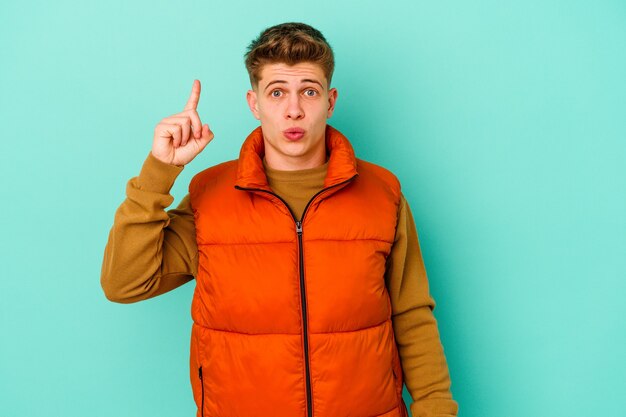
(504, 122)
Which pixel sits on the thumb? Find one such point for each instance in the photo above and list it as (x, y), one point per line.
(207, 136)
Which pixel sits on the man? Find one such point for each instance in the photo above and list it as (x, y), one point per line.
(311, 295)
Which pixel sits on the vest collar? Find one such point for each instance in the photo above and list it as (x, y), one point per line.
(250, 172)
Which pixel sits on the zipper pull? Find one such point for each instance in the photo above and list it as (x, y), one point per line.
(299, 227)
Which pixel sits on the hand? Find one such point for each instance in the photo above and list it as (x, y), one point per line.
(181, 136)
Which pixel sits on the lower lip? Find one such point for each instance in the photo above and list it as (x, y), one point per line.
(294, 135)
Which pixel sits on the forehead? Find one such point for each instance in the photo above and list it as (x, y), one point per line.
(291, 73)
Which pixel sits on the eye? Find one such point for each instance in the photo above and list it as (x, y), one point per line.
(274, 91)
(310, 90)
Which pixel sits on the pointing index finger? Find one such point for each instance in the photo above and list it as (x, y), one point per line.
(192, 103)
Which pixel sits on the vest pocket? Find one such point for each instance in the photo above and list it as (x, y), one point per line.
(201, 390)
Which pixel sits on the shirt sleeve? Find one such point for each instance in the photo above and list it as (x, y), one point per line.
(415, 328)
(149, 250)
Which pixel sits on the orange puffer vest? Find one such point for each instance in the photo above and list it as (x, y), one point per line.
(293, 318)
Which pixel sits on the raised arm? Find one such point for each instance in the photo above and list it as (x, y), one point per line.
(150, 250)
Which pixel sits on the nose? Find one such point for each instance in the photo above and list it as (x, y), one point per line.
(294, 108)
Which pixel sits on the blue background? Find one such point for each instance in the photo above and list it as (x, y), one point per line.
(505, 123)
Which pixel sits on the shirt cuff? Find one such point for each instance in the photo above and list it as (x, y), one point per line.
(157, 176)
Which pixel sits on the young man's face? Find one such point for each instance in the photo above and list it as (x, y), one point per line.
(293, 97)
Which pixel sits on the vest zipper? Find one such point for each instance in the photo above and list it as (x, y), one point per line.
(309, 400)
(309, 395)
(202, 390)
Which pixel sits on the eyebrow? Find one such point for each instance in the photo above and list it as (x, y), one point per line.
(285, 82)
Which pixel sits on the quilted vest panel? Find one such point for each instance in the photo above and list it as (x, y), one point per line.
(293, 318)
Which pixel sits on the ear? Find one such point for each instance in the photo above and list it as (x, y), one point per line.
(332, 98)
(253, 103)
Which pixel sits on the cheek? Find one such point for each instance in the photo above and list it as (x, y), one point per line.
(321, 111)
(268, 109)
(269, 118)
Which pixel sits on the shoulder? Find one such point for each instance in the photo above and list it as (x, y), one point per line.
(211, 174)
(369, 170)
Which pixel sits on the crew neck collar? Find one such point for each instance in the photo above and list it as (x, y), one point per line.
(297, 175)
